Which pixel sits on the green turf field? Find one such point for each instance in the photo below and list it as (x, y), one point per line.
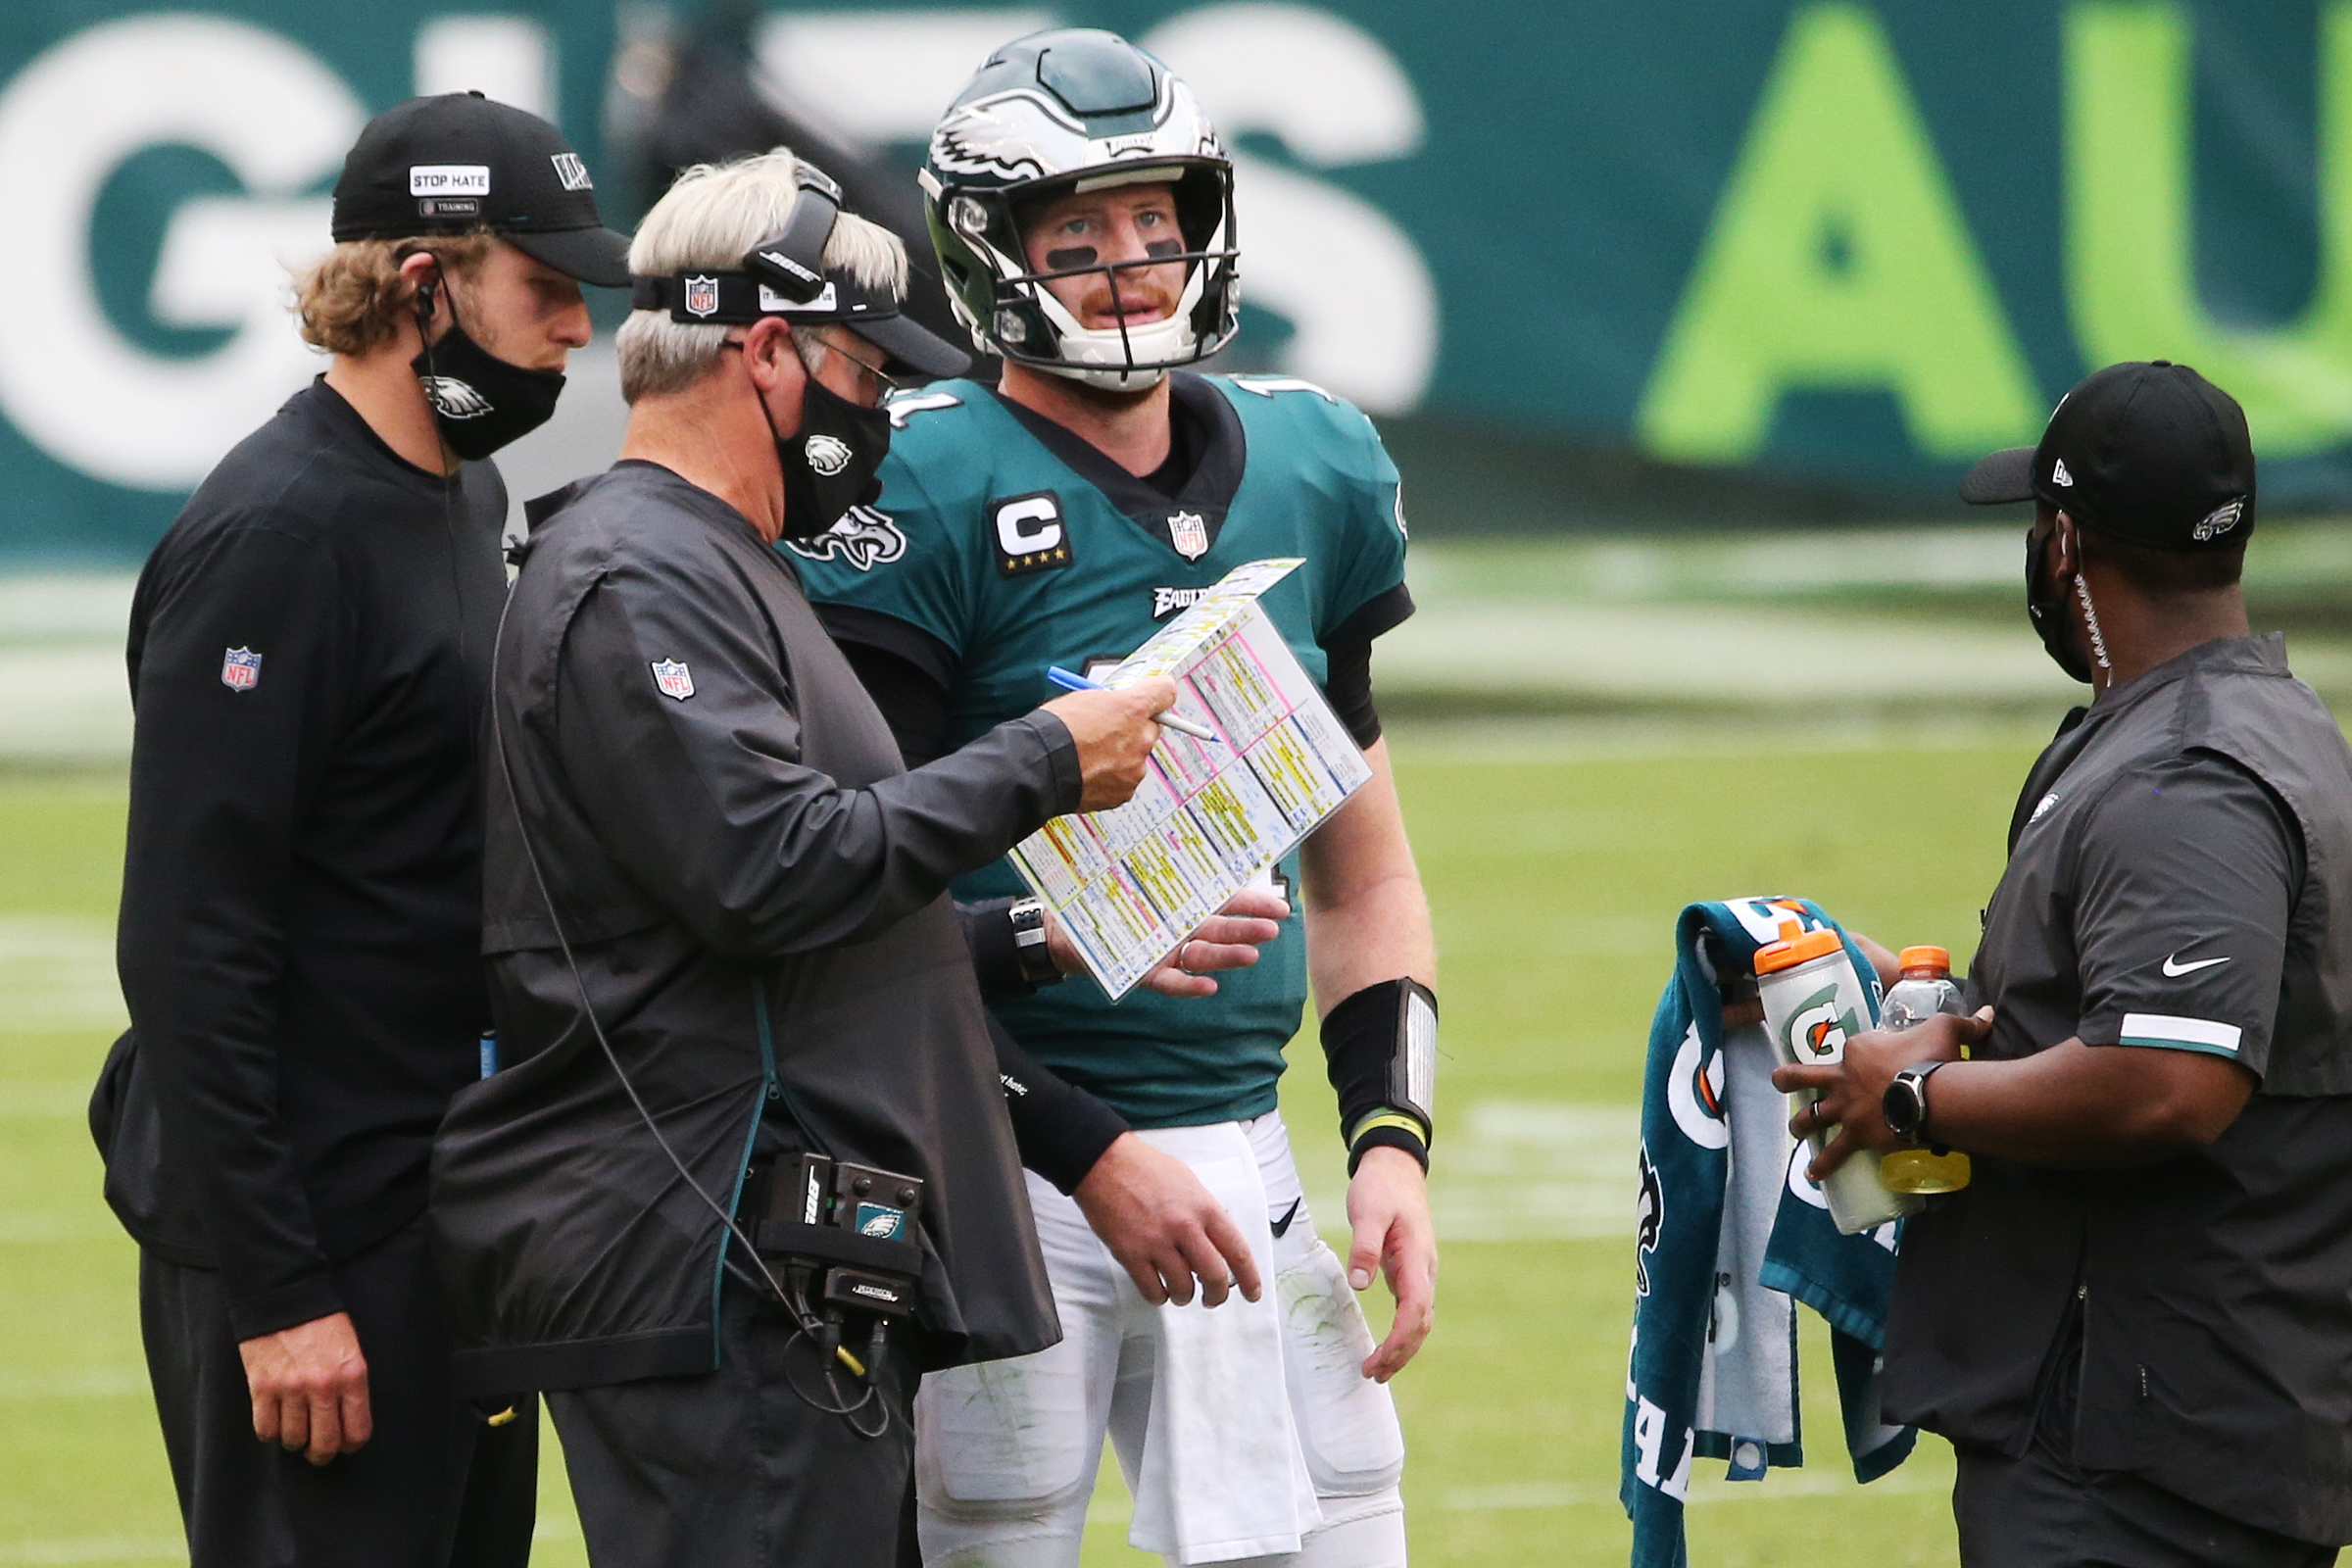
(1557, 859)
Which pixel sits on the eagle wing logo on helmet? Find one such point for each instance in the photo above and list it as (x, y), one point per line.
(982, 139)
(453, 399)
(863, 538)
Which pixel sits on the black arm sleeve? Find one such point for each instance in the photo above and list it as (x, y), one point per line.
(1060, 1129)
(221, 777)
(1348, 684)
(1349, 687)
(905, 669)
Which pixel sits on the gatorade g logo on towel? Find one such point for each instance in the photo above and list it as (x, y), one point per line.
(1694, 1093)
(1818, 1029)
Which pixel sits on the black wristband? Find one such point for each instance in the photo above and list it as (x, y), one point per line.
(1059, 1129)
(1379, 1064)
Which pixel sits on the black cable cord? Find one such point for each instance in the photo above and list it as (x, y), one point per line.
(803, 1316)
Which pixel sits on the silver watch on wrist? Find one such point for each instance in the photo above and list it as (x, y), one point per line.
(1905, 1103)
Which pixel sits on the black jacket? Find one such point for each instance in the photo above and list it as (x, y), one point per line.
(754, 891)
(300, 927)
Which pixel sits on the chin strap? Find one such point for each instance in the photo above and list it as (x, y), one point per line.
(1380, 1048)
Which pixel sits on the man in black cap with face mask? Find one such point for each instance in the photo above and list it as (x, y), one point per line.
(300, 922)
(2134, 1323)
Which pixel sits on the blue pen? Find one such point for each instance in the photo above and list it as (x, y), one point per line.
(1070, 681)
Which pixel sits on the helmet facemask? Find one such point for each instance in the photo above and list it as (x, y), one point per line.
(1029, 325)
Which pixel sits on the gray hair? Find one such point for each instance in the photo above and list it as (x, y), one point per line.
(709, 216)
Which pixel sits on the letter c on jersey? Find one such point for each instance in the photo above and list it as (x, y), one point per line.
(1030, 534)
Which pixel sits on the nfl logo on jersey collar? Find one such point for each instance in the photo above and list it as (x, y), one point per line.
(673, 679)
(240, 669)
(1188, 531)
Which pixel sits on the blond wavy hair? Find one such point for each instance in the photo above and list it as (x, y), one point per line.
(709, 216)
(351, 301)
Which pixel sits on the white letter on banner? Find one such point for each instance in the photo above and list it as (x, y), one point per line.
(504, 58)
(1334, 95)
(269, 111)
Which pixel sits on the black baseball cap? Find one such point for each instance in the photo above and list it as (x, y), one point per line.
(2147, 451)
(460, 160)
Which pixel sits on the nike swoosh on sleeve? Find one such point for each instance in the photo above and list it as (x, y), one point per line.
(2174, 970)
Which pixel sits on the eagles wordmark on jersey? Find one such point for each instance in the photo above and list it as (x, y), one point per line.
(1007, 544)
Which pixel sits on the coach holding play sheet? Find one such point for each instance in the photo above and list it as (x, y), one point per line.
(720, 934)
(2135, 1323)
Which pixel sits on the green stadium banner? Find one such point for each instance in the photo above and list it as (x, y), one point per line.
(1831, 243)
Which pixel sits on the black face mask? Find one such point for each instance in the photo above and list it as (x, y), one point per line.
(2046, 606)
(829, 466)
(480, 401)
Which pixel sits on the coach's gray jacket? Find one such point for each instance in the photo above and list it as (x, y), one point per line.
(754, 889)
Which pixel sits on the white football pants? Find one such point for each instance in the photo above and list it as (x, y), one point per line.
(1007, 1451)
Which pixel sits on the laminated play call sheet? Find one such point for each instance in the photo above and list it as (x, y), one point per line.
(1129, 884)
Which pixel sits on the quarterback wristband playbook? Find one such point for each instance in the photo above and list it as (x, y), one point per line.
(1380, 1048)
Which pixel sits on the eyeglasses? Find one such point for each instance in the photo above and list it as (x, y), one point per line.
(885, 384)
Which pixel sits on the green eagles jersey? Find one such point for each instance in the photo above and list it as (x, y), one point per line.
(1011, 545)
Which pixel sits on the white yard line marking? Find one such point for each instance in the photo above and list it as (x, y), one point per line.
(1514, 1170)
(43, 1098)
(94, 1549)
(1910, 1481)
(82, 1383)
(58, 974)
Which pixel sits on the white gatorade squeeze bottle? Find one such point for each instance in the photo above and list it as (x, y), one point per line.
(1925, 990)
(1813, 1004)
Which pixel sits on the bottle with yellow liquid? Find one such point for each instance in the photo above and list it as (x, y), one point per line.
(1925, 990)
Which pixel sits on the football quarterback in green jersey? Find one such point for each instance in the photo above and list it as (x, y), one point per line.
(1057, 513)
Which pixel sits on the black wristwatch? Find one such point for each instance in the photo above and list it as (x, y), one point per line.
(1906, 1104)
(1029, 944)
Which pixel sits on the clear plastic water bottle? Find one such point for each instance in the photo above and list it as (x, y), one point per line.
(1925, 990)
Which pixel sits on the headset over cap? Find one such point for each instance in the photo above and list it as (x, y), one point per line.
(1076, 109)
(785, 275)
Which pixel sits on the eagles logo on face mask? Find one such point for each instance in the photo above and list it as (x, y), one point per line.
(830, 466)
(827, 455)
(480, 401)
(453, 399)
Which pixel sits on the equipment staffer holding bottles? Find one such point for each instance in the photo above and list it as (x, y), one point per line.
(2134, 1323)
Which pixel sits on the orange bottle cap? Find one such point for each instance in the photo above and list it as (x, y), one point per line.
(1795, 946)
(1939, 958)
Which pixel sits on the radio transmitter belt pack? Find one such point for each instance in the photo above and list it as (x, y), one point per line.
(843, 1240)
